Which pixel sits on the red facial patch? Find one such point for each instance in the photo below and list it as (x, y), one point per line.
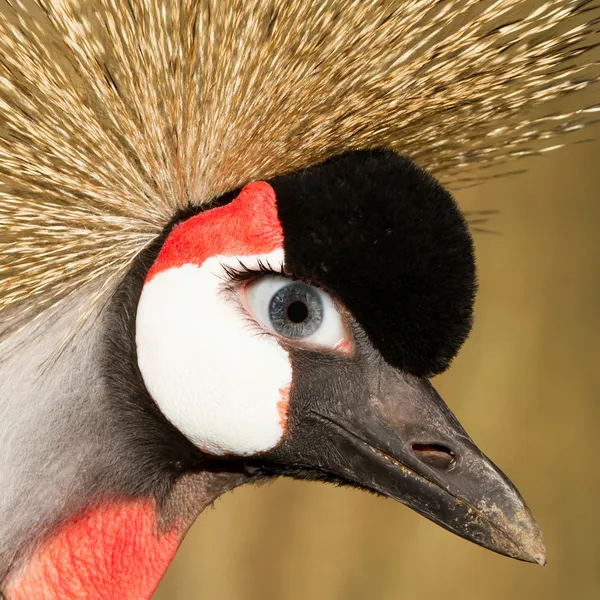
(248, 225)
(112, 552)
(283, 406)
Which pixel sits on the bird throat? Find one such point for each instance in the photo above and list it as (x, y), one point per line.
(119, 549)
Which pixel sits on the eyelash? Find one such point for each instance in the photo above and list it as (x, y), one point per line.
(235, 277)
(240, 274)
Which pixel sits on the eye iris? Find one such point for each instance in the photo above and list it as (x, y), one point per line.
(296, 310)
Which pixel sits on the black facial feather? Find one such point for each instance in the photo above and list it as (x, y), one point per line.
(386, 238)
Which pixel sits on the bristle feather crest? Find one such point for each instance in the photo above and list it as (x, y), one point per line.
(116, 115)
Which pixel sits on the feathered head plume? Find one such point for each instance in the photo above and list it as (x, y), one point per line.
(115, 115)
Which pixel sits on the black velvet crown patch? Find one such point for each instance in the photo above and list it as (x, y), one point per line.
(391, 243)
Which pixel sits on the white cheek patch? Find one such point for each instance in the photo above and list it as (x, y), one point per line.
(213, 375)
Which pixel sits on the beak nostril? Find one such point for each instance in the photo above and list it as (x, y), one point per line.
(435, 455)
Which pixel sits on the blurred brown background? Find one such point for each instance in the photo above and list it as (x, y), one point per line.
(525, 387)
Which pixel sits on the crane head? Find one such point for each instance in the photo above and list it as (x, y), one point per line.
(294, 330)
(290, 330)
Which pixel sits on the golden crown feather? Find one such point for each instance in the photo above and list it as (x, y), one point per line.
(115, 115)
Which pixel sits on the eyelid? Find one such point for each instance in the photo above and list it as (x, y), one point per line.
(235, 278)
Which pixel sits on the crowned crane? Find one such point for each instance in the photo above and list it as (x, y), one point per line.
(219, 264)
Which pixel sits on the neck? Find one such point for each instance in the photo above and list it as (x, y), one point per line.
(118, 549)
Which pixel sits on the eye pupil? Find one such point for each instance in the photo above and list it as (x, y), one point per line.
(297, 311)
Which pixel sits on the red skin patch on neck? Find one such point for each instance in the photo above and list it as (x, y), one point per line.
(112, 552)
(248, 225)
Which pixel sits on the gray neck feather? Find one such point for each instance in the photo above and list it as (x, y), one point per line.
(58, 438)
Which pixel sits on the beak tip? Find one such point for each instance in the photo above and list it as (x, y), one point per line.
(538, 552)
(518, 534)
(532, 545)
(540, 559)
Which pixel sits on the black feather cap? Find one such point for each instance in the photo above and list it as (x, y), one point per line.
(390, 242)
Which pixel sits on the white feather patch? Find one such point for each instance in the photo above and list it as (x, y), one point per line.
(218, 381)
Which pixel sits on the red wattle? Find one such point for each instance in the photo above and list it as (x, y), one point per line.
(112, 552)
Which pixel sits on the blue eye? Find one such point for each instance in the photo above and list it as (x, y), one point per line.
(296, 311)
